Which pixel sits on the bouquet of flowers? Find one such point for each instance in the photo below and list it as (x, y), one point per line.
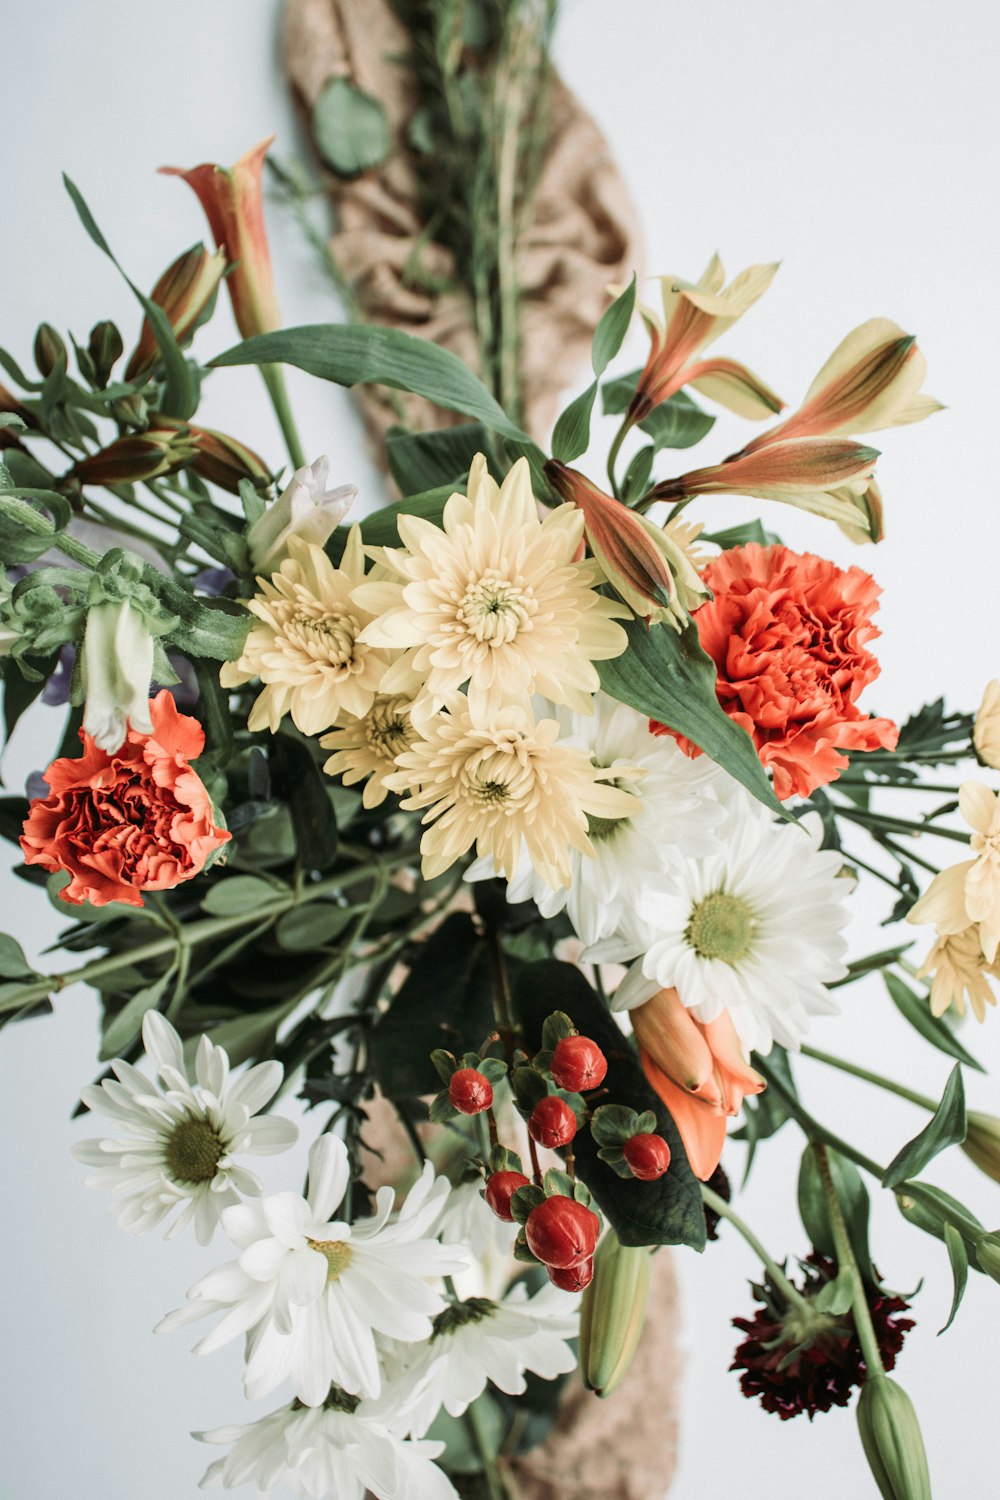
(524, 805)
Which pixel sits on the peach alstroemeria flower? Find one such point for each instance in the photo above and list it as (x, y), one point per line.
(184, 291)
(969, 892)
(698, 1070)
(649, 569)
(693, 317)
(233, 201)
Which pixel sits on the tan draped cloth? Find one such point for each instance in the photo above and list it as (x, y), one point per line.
(583, 237)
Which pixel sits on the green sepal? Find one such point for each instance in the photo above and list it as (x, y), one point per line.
(554, 1028)
(521, 1251)
(557, 1184)
(528, 1087)
(441, 1109)
(524, 1200)
(502, 1159)
(444, 1064)
(493, 1068)
(612, 1125)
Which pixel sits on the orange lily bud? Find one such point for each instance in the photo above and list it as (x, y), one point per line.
(141, 455)
(184, 291)
(649, 569)
(698, 1070)
(224, 461)
(232, 198)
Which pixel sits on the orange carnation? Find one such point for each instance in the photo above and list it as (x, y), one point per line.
(138, 820)
(788, 633)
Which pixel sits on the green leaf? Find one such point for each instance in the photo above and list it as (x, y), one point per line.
(350, 128)
(836, 1297)
(959, 1258)
(670, 678)
(363, 353)
(312, 925)
(609, 335)
(572, 430)
(19, 692)
(13, 964)
(298, 781)
(852, 1195)
(665, 1212)
(946, 1127)
(380, 528)
(677, 422)
(462, 1455)
(444, 1002)
(238, 893)
(917, 1010)
(739, 536)
(764, 1115)
(614, 1124)
(638, 474)
(213, 714)
(421, 461)
(123, 1028)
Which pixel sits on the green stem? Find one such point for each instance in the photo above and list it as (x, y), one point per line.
(274, 379)
(725, 1211)
(846, 1261)
(894, 786)
(869, 1077)
(613, 453)
(474, 1422)
(812, 1128)
(883, 822)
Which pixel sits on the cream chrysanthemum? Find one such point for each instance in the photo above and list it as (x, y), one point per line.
(497, 779)
(366, 748)
(306, 647)
(959, 971)
(496, 598)
(969, 893)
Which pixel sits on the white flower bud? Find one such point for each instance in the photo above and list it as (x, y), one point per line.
(306, 509)
(117, 667)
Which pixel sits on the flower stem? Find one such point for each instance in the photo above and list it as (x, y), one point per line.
(613, 453)
(884, 823)
(274, 379)
(847, 1261)
(725, 1211)
(474, 1422)
(869, 1077)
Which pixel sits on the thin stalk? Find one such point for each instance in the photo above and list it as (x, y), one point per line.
(725, 1211)
(854, 859)
(274, 379)
(613, 453)
(812, 1127)
(846, 1261)
(883, 822)
(480, 1438)
(878, 1079)
(894, 786)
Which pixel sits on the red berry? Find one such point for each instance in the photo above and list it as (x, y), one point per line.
(552, 1122)
(470, 1091)
(561, 1232)
(647, 1155)
(578, 1064)
(500, 1190)
(573, 1278)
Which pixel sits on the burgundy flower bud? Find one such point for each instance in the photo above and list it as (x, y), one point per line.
(573, 1278)
(552, 1122)
(578, 1064)
(500, 1190)
(562, 1232)
(648, 1155)
(470, 1092)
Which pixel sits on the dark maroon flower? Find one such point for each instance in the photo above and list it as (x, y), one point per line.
(795, 1366)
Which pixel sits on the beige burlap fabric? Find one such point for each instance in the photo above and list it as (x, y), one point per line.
(583, 236)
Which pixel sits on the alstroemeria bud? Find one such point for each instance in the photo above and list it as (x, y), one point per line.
(648, 1155)
(578, 1064)
(987, 1250)
(892, 1441)
(552, 1123)
(105, 349)
(572, 1278)
(561, 1232)
(225, 461)
(469, 1091)
(117, 667)
(185, 291)
(50, 350)
(648, 568)
(139, 456)
(233, 201)
(305, 509)
(799, 470)
(982, 1142)
(986, 732)
(500, 1190)
(613, 1313)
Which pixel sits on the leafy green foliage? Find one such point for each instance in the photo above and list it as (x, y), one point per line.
(677, 422)
(421, 461)
(852, 1195)
(764, 1114)
(665, 1212)
(916, 1009)
(301, 785)
(946, 1127)
(350, 128)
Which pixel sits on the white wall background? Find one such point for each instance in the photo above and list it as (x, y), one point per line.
(856, 142)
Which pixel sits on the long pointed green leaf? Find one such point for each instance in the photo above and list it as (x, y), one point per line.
(609, 335)
(959, 1258)
(946, 1127)
(916, 1009)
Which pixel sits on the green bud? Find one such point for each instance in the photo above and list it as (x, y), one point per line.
(987, 1253)
(49, 349)
(892, 1441)
(105, 349)
(982, 1143)
(613, 1312)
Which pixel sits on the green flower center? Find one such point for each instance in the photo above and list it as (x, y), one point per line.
(721, 926)
(603, 828)
(494, 608)
(473, 1310)
(193, 1151)
(336, 1400)
(387, 728)
(338, 1257)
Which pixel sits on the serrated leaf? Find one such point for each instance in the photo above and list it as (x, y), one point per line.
(946, 1127)
(916, 1009)
(364, 353)
(350, 128)
(609, 335)
(959, 1259)
(668, 677)
(571, 434)
(238, 893)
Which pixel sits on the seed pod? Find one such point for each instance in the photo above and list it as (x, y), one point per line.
(613, 1313)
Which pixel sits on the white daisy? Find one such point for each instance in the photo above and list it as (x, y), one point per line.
(467, 1220)
(181, 1136)
(312, 1292)
(345, 1448)
(479, 1340)
(677, 814)
(754, 929)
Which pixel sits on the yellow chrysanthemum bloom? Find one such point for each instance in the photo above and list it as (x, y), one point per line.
(498, 780)
(366, 748)
(306, 647)
(495, 597)
(959, 970)
(969, 892)
(986, 733)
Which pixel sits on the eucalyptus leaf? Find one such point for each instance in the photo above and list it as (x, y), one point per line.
(364, 353)
(350, 128)
(236, 893)
(668, 677)
(946, 1127)
(917, 1010)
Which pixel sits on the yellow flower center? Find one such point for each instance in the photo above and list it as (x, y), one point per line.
(338, 1256)
(192, 1152)
(494, 609)
(329, 637)
(497, 777)
(721, 926)
(387, 728)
